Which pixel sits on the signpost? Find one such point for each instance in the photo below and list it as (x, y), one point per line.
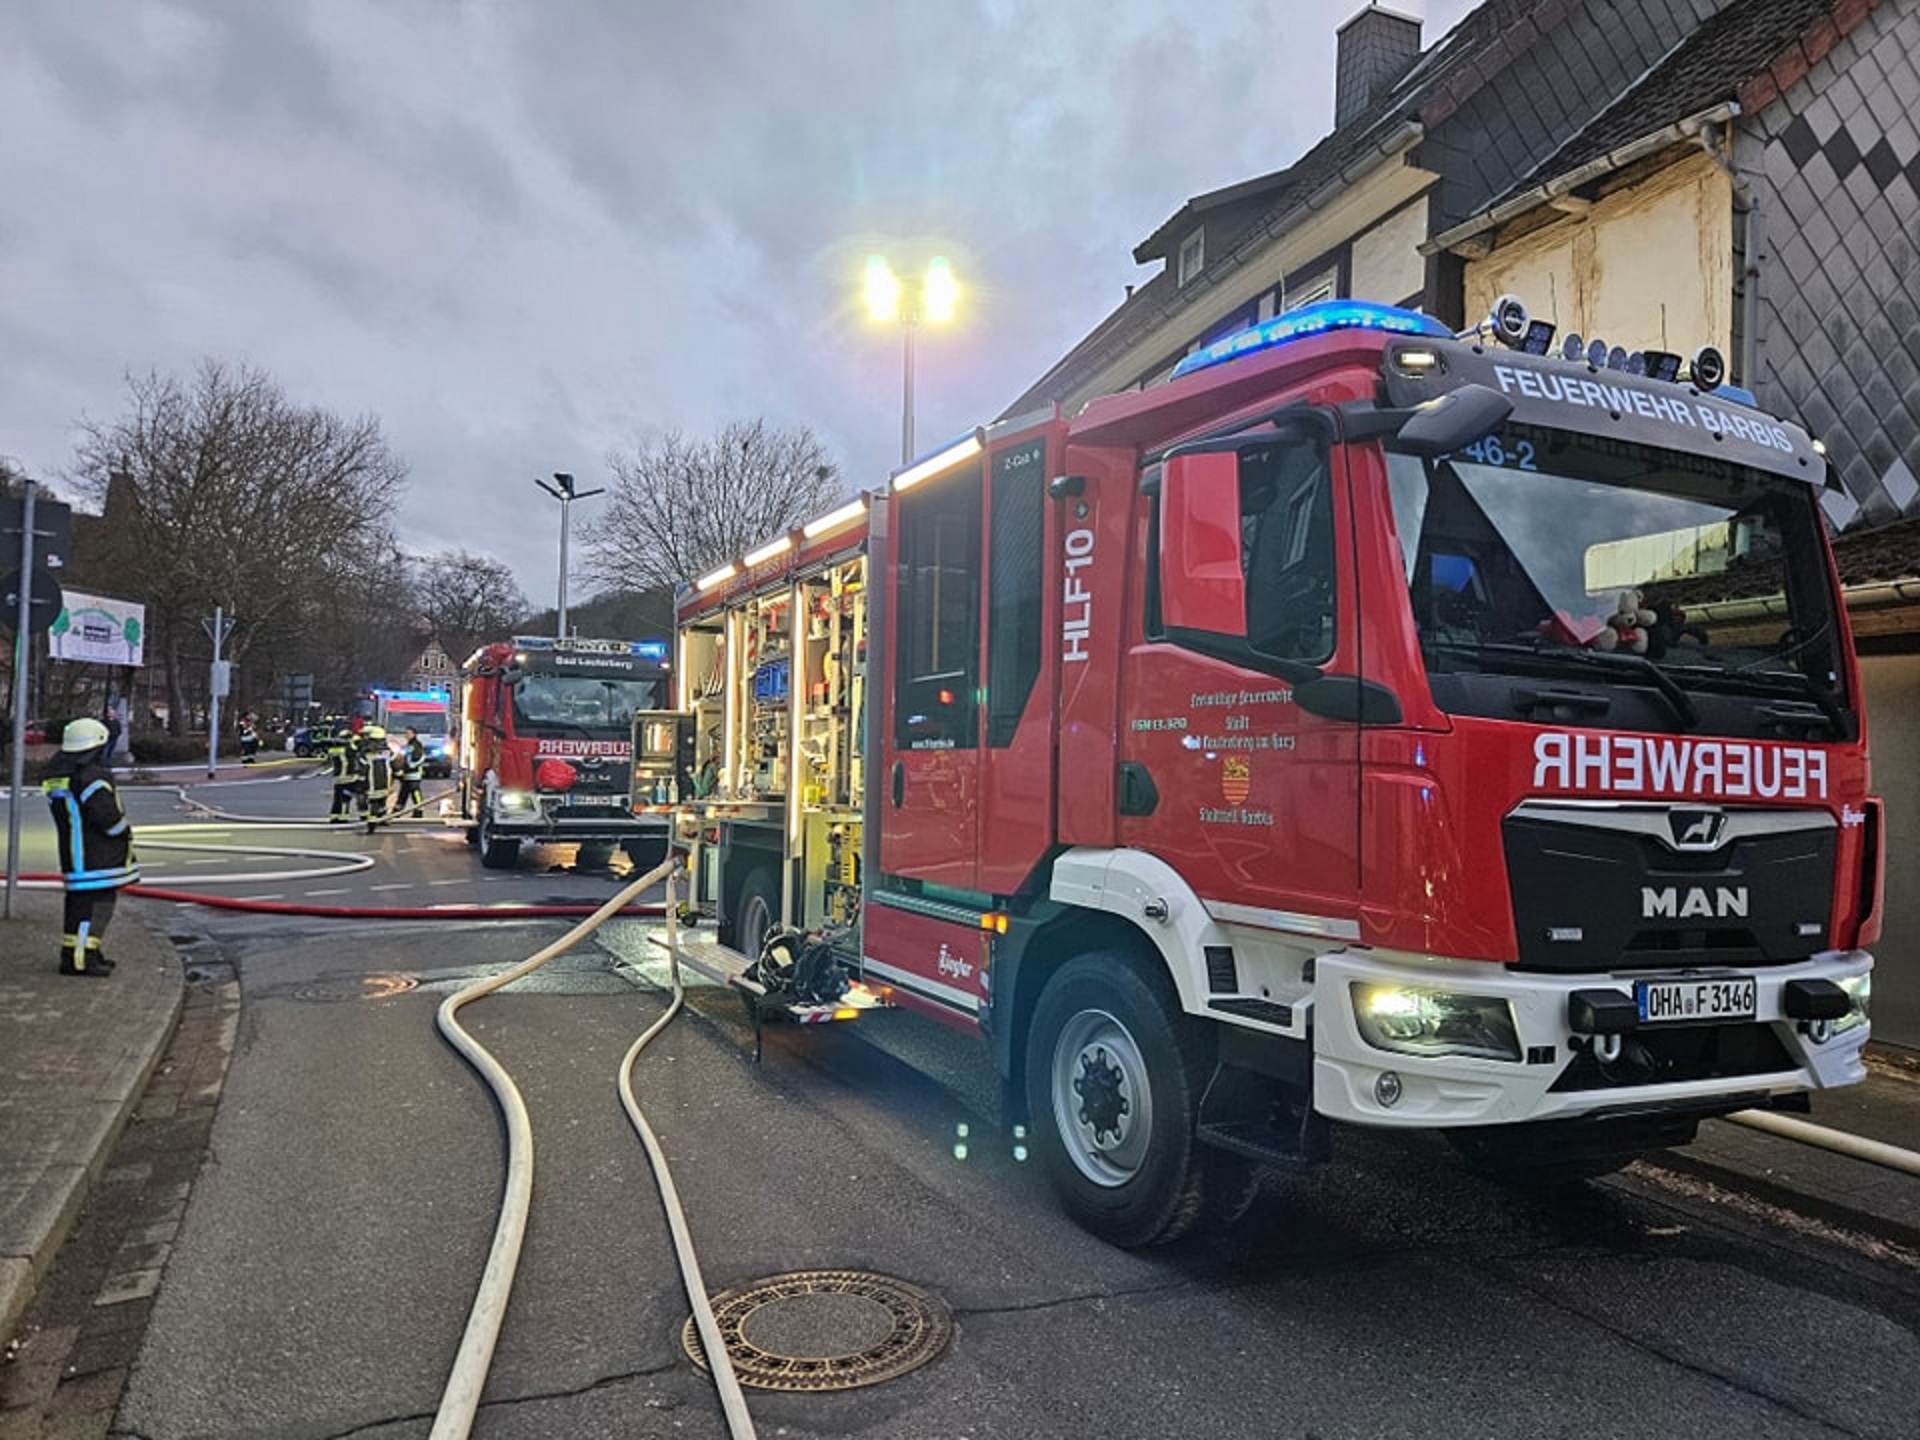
(218, 629)
(32, 604)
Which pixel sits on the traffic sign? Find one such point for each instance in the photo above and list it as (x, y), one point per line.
(52, 531)
(44, 601)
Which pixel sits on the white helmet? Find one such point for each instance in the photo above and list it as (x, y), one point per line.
(83, 735)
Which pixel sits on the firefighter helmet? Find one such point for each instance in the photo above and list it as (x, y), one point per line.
(373, 732)
(83, 735)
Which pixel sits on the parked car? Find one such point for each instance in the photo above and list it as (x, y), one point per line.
(38, 732)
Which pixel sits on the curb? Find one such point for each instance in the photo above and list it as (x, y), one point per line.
(1794, 1199)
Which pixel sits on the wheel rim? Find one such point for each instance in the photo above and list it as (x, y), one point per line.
(1102, 1102)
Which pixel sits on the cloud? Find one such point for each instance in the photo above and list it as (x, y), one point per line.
(525, 234)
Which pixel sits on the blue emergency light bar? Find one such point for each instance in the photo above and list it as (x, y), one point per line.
(1315, 319)
(655, 650)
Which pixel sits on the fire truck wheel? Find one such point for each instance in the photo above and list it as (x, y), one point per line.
(1114, 1075)
(496, 852)
(756, 912)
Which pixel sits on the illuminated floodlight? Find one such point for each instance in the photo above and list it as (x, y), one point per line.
(882, 289)
(1315, 319)
(944, 459)
(718, 577)
(940, 291)
(767, 551)
(834, 519)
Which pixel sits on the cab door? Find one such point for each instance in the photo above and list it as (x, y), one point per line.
(929, 806)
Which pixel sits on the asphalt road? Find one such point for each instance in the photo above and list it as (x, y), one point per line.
(322, 1272)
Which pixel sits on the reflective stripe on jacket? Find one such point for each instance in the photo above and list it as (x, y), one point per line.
(96, 840)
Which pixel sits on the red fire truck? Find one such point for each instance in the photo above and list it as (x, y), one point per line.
(546, 746)
(1370, 726)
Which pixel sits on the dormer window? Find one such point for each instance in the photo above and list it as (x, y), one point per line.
(1193, 255)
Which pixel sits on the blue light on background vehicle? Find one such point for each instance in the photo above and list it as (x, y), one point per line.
(1315, 319)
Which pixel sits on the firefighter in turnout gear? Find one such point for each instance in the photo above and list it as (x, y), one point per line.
(343, 764)
(411, 769)
(376, 774)
(96, 844)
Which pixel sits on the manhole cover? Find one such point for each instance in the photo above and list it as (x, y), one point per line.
(824, 1330)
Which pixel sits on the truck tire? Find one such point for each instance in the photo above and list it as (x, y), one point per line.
(1114, 1076)
(756, 912)
(645, 853)
(496, 852)
(472, 830)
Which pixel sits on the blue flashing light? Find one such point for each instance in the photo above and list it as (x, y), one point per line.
(1315, 319)
(1738, 394)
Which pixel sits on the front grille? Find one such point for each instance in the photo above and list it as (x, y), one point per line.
(1596, 887)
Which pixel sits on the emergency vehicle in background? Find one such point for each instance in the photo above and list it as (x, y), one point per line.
(546, 746)
(428, 711)
(1368, 726)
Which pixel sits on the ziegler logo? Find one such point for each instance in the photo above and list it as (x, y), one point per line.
(1723, 902)
(952, 964)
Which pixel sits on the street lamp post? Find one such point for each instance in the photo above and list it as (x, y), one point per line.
(563, 491)
(932, 298)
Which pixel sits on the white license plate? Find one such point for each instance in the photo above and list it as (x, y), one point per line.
(582, 800)
(1683, 1001)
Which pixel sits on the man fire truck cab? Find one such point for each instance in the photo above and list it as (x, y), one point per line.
(1369, 725)
(546, 748)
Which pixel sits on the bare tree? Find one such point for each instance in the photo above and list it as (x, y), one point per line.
(680, 507)
(221, 491)
(466, 600)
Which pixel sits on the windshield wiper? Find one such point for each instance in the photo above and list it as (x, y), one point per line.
(1778, 682)
(1566, 660)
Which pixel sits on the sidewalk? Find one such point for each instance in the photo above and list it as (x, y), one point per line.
(75, 1056)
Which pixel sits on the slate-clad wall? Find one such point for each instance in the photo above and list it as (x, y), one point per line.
(1834, 165)
(1572, 59)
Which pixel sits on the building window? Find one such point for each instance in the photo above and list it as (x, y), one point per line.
(1193, 255)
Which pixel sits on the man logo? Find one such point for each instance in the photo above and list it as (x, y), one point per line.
(1696, 829)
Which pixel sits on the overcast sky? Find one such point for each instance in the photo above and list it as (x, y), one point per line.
(524, 232)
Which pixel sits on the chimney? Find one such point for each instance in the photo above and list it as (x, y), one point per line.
(1375, 48)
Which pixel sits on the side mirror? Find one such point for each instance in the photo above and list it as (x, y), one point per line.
(1202, 585)
(1453, 420)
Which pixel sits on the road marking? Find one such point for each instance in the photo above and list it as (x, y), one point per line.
(447, 882)
(407, 886)
(275, 895)
(313, 894)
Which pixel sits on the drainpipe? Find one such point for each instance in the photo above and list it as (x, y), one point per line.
(1746, 238)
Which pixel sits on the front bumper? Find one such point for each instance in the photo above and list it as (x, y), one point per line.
(1553, 1078)
(551, 820)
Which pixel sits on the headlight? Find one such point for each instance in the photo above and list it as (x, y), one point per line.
(1413, 1021)
(513, 800)
(1860, 989)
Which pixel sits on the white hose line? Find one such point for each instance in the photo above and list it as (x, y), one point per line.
(1858, 1147)
(340, 864)
(719, 1363)
(281, 822)
(461, 1398)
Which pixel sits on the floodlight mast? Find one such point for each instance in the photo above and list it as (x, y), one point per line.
(563, 491)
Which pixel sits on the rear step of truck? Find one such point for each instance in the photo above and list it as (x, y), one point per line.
(724, 965)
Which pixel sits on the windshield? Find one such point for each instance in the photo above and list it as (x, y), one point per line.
(582, 702)
(1548, 553)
